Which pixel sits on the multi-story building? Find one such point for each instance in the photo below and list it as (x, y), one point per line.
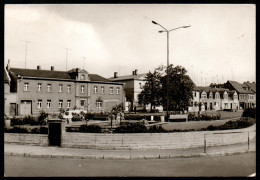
(245, 94)
(133, 86)
(214, 99)
(50, 90)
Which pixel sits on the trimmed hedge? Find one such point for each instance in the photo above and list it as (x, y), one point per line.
(90, 128)
(38, 130)
(131, 127)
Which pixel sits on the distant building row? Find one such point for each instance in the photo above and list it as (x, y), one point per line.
(229, 96)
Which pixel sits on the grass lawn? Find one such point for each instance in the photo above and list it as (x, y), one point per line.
(192, 124)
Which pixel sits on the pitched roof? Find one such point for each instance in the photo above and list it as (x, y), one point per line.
(96, 77)
(208, 89)
(128, 77)
(41, 73)
(6, 76)
(239, 87)
(251, 85)
(53, 74)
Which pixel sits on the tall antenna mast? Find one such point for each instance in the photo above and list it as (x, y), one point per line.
(25, 52)
(67, 49)
(84, 58)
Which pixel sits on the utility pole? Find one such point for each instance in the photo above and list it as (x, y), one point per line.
(25, 52)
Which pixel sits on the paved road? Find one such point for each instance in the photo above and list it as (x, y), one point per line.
(235, 165)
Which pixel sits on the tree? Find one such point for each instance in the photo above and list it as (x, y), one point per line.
(180, 88)
(151, 90)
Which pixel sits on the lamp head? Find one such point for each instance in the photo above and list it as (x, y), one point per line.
(154, 22)
(185, 26)
(160, 31)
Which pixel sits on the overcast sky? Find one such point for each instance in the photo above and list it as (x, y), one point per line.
(219, 45)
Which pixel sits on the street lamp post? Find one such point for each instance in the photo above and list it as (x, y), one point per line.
(167, 71)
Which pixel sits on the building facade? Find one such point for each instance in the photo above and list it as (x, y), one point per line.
(246, 95)
(51, 90)
(207, 99)
(133, 86)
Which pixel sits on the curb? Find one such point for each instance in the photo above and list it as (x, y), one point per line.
(126, 157)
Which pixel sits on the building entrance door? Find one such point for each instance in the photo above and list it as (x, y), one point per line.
(26, 107)
(12, 109)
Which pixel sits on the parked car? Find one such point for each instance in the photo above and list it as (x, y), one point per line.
(68, 115)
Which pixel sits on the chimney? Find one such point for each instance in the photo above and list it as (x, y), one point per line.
(52, 68)
(8, 65)
(136, 72)
(38, 67)
(77, 70)
(133, 72)
(115, 75)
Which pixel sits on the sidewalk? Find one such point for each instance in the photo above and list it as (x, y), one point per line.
(58, 152)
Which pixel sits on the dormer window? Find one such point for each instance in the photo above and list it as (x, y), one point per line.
(82, 77)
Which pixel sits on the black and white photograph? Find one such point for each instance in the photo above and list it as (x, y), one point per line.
(129, 90)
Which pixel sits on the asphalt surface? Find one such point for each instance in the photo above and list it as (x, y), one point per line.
(241, 165)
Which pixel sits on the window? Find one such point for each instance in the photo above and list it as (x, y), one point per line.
(82, 77)
(140, 84)
(82, 102)
(69, 88)
(225, 96)
(215, 103)
(49, 87)
(111, 90)
(48, 103)
(194, 94)
(39, 103)
(210, 95)
(82, 89)
(39, 86)
(102, 89)
(60, 103)
(68, 103)
(235, 96)
(95, 89)
(60, 88)
(99, 104)
(117, 90)
(26, 87)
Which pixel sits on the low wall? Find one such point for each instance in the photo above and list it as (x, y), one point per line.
(29, 139)
(140, 140)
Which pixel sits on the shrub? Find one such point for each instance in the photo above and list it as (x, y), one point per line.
(42, 118)
(16, 121)
(89, 116)
(18, 130)
(90, 128)
(40, 130)
(157, 129)
(249, 112)
(131, 127)
(242, 123)
(29, 120)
